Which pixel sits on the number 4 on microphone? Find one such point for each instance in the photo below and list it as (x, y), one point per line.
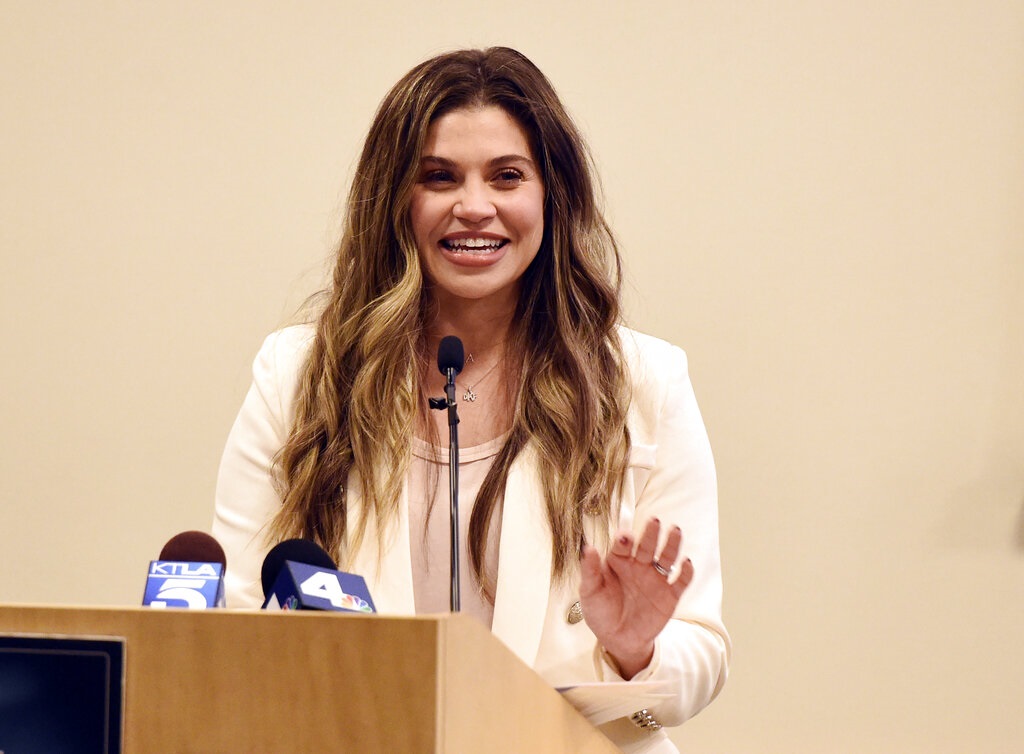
(327, 586)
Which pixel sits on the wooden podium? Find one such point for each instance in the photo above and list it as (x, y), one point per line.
(220, 682)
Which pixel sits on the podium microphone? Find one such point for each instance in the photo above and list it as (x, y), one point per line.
(189, 573)
(298, 575)
(450, 360)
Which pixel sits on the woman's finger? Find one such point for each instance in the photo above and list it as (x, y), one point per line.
(622, 545)
(683, 580)
(670, 552)
(648, 542)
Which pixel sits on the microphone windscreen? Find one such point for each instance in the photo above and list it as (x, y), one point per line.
(450, 355)
(193, 547)
(297, 550)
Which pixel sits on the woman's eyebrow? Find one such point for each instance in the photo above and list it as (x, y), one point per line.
(506, 158)
(445, 163)
(503, 159)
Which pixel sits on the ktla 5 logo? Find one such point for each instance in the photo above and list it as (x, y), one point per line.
(177, 584)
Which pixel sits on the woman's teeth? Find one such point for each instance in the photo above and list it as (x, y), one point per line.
(474, 245)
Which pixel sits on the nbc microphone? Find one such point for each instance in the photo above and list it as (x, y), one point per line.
(298, 575)
(189, 573)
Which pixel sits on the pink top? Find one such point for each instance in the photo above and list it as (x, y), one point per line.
(429, 527)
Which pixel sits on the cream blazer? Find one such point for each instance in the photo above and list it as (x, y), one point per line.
(671, 475)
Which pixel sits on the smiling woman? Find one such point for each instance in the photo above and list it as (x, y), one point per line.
(478, 209)
(586, 473)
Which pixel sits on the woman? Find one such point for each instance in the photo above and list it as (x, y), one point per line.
(584, 457)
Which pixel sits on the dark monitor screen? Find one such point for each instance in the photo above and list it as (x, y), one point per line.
(61, 694)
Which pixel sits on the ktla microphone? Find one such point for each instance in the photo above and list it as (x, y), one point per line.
(189, 573)
(298, 575)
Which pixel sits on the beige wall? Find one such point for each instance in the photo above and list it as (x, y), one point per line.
(822, 202)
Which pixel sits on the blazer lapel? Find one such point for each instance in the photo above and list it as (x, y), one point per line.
(524, 562)
(389, 574)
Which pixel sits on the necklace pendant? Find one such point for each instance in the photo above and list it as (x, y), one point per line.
(469, 395)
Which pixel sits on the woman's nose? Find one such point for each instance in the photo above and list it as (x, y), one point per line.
(473, 203)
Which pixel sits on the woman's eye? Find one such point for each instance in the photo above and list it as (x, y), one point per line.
(509, 177)
(437, 177)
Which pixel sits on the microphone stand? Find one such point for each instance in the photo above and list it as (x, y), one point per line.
(448, 402)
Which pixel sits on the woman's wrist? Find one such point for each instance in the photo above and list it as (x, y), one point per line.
(628, 664)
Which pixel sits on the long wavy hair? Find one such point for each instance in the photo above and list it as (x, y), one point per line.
(359, 398)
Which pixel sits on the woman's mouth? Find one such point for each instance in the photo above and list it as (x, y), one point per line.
(474, 246)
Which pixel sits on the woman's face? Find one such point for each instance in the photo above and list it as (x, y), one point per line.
(478, 206)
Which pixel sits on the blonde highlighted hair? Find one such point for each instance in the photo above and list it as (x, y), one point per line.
(359, 399)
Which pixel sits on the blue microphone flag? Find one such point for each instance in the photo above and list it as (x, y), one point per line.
(301, 586)
(196, 586)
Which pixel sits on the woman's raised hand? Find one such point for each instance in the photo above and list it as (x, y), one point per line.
(628, 597)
